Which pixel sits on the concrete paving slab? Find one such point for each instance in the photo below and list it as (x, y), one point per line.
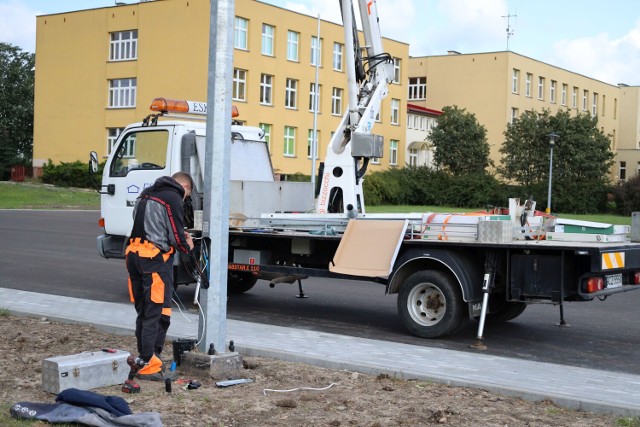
(571, 387)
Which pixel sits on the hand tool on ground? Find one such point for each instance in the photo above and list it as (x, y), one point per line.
(130, 386)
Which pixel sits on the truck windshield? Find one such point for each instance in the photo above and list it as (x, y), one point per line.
(140, 150)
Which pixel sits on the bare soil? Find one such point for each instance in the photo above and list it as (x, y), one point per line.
(352, 399)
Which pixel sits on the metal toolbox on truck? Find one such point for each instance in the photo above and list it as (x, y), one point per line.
(85, 371)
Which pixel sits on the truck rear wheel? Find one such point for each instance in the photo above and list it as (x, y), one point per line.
(239, 283)
(430, 304)
(501, 311)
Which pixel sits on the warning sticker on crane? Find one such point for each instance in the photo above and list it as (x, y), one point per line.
(612, 260)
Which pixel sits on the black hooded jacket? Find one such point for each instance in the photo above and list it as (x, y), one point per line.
(158, 216)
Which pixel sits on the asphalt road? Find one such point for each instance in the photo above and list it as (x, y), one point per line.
(54, 252)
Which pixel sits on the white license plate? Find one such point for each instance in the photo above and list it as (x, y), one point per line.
(614, 280)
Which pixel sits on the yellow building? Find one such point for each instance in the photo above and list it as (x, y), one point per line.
(628, 148)
(98, 70)
(499, 86)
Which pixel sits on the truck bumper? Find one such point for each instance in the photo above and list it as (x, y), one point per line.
(110, 246)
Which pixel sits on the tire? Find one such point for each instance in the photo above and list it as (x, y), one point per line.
(430, 304)
(239, 283)
(503, 311)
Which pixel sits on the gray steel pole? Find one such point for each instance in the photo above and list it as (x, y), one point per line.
(548, 210)
(552, 142)
(215, 224)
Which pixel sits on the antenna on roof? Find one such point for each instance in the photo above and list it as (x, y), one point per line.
(510, 30)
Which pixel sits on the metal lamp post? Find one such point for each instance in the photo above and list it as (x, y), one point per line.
(552, 142)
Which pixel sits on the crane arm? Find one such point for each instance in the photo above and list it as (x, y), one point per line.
(369, 71)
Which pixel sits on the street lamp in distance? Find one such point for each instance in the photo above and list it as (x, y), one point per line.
(553, 137)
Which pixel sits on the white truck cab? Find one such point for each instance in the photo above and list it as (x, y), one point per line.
(157, 147)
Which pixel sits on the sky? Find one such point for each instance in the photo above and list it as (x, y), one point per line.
(598, 39)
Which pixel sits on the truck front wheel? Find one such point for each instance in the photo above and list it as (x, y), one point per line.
(239, 283)
(430, 304)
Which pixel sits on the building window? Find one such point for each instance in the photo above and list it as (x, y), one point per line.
(337, 56)
(310, 142)
(395, 111)
(514, 114)
(122, 93)
(604, 104)
(291, 94)
(585, 96)
(268, 32)
(417, 88)
(241, 34)
(112, 137)
(515, 81)
(292, 45)
(393, 152)
(336, 101)
(413, 157)
(541, 88)
(124, 46)
(528, 84)
(410, 121)
(314, 97)
(239, 85)
(615, 108)
(266, 128)
(423, 123)
(574, 97)
(623, 170)
(289, 141)
(594, 105)
(316, 51)
(552, 91)
(564, 94)
(266, 89)
(396, 70)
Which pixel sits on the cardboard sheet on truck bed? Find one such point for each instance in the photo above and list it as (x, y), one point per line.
(369, 247)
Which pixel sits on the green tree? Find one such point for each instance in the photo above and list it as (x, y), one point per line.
(17, 75)
(525, 151)
(460, 142)
(582, 158)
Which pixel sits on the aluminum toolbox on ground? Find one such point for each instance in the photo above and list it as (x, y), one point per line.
(84, 371)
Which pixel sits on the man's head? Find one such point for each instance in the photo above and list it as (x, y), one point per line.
(185, 180)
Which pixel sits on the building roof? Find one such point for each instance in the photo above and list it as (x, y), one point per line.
(418, 109)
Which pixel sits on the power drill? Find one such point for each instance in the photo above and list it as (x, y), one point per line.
(130, 386)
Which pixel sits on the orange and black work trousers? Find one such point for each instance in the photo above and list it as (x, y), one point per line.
(150, 287)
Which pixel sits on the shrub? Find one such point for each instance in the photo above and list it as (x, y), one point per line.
(297, 177)
(387, 187)
(75, 174)
(425, 186)
(627, 196)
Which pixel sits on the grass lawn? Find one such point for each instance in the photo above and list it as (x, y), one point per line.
(38, 196)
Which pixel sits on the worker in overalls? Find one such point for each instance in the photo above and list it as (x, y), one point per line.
(157, 233)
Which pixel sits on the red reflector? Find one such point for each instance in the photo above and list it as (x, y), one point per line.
(595, 284)
(636, 278)
(101, 222)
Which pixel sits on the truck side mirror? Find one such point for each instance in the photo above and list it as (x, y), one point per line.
(93, 162)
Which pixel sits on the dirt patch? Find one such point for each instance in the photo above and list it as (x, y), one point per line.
(342, 398)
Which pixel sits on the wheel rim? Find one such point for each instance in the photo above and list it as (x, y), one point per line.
(426, 304)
